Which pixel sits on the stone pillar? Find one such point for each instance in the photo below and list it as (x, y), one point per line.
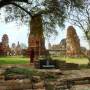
(36, 37)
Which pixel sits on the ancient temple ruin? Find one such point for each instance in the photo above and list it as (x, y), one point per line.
(72, 42)
(36, 38)
(58, 49)
(15, 49)
(60, 46)
(4, 45)
(18, 49)
(6, 50)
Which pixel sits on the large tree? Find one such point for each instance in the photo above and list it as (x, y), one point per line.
(53, 11)
(82, 20)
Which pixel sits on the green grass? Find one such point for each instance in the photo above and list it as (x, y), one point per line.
(81, 60)
(14, 60)
(24, 60)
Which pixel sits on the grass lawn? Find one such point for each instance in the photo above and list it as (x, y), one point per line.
(24, 60)
(73, 60)
(14, 60)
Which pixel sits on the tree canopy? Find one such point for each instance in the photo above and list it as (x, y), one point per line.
(54, 12)
(82, 20)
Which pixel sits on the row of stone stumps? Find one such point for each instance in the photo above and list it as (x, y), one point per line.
(50, 79)
(20, 82)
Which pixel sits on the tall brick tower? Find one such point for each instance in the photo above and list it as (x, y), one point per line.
(36, 38)
(5, 44)
(72, 42)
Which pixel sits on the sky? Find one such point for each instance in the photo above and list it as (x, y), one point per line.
(15, 33)
(20, 33)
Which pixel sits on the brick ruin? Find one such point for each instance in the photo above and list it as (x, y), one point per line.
(69, 46)
(72, 42)
(36, 39)
(60, 46)
(6, 50)
(16, 49)
(4, 45)
(58, 49)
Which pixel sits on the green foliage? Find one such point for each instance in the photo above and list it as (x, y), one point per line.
(54, 12)
(77, 3)
(28, 72)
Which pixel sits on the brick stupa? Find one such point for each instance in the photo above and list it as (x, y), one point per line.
(72, 42)
(36, 38)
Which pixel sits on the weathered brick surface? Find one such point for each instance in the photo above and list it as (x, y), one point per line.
(36, 79)
(2, 71)
(19, 84)
(2, 82)
(72, 42)
(2, 77)
(39, 85)
(3, 87)
(24, 84)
